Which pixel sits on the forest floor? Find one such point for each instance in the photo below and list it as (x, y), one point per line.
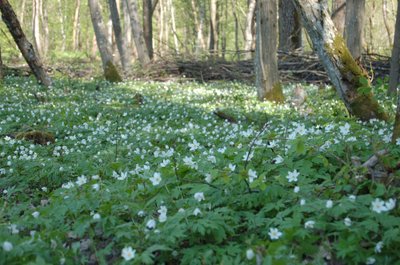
(192, 173)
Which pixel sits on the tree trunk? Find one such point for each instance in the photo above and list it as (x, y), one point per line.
(1, 67)
(148, 26)
(62, 22)
(339, 14)
(137, 33)
(76, 27)
(395, 60)
(385, 20)
(355, 16)
(37, 41)
(266, 61)
(110, 71)
(370, 43)
(22, 14)
(121, 44)
(290, 37)
(248, 33)
(44, 20)
(344, 72)
(173, 24)
(236, 20)
(26, 48)
(213, 44)
(396, 128)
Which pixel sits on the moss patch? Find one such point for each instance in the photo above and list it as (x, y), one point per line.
(276, 94)
(366, 107)
(37, 137)
(111, 73)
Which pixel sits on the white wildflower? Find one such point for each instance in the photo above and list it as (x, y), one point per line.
(151, 224)
(274, 233)
(250, 254)
(378, 206)
(252, 175)
(199, 196)
(347, 221)
(309, 224)
(156, 179)
(292, 176)
(7, 246)
(128, 253)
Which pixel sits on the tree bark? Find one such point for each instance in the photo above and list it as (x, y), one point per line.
(339, 14)
(45, 26)
(173, 24)
(62, 22)
(344, 72)
(290, 37)
(137, 33)
(248, 33)
(199, 24)
(355, 16)
(148, 26)
(37, 41)
(121, 44)
(395, 60)
(385, 20)
(213, 44)
(76, 27)
(110, 71)
(266, 61)
(26, 48)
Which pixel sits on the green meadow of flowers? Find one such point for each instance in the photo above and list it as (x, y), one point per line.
(146, 173)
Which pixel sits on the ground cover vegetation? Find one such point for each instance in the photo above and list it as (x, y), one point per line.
(147, 173)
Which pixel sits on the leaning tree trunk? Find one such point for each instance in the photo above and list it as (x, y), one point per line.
(266, 61)
(110, 71)
(26, 48)
(137, 33)
(395, 60)
(344, 72)
(355, 16)
(289, 27)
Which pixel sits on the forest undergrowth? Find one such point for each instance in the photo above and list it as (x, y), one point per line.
(192, 173)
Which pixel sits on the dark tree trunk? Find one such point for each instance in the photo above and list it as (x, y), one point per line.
(148, 26)
(26, 48)
(343, 71)
(290, 37)
(355, 16)
(1, 67)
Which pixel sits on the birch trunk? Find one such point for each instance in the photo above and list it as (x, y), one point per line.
(395, 60)
(355, 16)
(266, 60)
(213, 43)
(344, 72)
(26, 48)
(121, 44)
(110, 71)
(290, 37)
(76, 27)
(173, 25)
(137, 32)
(248, 33)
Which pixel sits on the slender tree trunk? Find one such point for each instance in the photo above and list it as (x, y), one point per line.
(37, 41)
(290, 37)
(62, 22)
(339, 14)
(26, 48)
(395, 60)
(344, 72)
(22, 14)
(385, 20)
(370, 43)
(148, 26)
(355, 16)
(173, 25)
(76, 27)
(235, 16)
(248, 33)
(213, 44)
(44, 20)
(110, 71)
(121, 44)
(137, 33)
(266, 61)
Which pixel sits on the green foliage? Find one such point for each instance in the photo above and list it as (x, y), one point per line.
(179, 185)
